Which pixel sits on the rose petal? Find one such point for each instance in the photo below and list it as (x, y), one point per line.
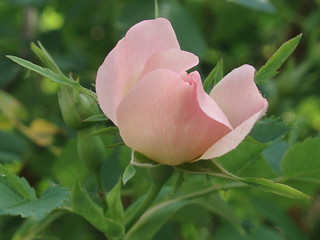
(207, 104)
(238, 96)
(173, 59)
(161, 118)
(234, 138)
(241, 101)
(123, 66)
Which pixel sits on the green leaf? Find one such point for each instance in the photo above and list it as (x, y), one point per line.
(84, 206)
(277, 188)
(45, 57)
(214, 77)
(107, 130)
(269, 130)
(15, 184)
(138, 159)
(96, 118)
(301, 161)
(243, 157)
(129, 172)
(45, 72)
(274, 154)
(115, 207)
(269, 70)
(214, 169)
(18, 198)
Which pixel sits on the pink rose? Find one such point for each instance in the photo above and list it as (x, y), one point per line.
(161, 110)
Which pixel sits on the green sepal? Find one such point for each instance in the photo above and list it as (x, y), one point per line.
(129, 173)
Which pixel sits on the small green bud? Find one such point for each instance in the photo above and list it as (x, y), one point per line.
(76, 106)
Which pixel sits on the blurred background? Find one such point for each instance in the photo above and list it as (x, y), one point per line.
(79, 34)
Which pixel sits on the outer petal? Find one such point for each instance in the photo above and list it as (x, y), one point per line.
(161, 118)
(238, 96)
(241, 101)
(123, 66)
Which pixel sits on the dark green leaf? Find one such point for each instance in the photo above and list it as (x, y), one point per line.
(274, 153)
(268, 130)
(84, 206)
(269, 70)
(302, 161)
(18, 198)
(243, 157)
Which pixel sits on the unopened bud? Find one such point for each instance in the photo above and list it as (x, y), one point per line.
(76, 107)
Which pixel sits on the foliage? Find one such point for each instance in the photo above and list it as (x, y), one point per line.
(45, 175)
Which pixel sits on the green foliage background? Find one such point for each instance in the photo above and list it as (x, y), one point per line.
(35, 144)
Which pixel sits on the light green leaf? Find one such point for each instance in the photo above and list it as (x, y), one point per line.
(84, 206)
(45, 72)
(269, 70)
(96, 118)
(115, 207)
(214, 77)
(215, 169)
(138, 159)
(269, 130)
(45, 57)
(302, 161)
(277, 188)
(129, 172)
(107, 130)
(18, 198)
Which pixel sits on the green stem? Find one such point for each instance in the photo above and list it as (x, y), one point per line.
(151, 195)
(159, 175)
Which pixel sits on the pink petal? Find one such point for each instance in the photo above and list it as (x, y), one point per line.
(239, 98)
(207, 104)
(123, 66)
(175, 60)
(161, 118)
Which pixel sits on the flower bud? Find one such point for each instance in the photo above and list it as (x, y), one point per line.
(75, 107)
